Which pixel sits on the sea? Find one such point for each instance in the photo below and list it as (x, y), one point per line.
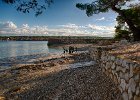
(19, 52)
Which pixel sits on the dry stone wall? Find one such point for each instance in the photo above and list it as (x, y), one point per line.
(126, 74)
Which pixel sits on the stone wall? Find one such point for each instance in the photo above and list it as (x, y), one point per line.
(126, 74)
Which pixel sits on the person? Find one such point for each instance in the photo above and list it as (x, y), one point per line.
(69, 49)
(64, 50)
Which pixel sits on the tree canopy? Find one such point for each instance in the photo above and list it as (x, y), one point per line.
(99, 6)
(26, 6)
(122, 30)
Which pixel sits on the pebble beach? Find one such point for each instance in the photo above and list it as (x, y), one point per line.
(58, 77)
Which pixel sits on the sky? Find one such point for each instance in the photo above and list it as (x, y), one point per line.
(62, 18)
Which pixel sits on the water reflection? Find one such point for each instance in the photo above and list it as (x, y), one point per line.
(19, 52)
(19, 48)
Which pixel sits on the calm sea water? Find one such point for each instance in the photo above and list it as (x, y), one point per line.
(21, 51)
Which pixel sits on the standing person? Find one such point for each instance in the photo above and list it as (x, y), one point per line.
(70, 49)
(64, 50)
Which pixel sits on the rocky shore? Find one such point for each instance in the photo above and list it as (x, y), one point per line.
(58, 77)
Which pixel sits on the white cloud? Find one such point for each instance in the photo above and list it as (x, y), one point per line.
(7, 25)
(101, 28)
(66, 30)
(105, 31)
(25, 26)
(100, 19)
(69, 25)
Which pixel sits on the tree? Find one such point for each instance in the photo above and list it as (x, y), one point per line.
(122, 30)
(99, 6)
(26, 6)
(119, 33)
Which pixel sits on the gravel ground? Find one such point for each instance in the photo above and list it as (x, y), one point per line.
(53, 80)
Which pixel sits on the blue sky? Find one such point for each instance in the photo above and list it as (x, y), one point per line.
(61, 18)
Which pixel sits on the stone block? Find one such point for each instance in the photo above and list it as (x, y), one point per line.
(115, 79)
(113, 66)
(130, 94)
(113, 72)
(123, 69)
(132, 85)
(138, 91)
(123, 84)
(127, 64)
(120, 88)
(124, 63)
(137, 78)
(121, 75)
(125, 96)
(131, 71)
(127, 87)
(118, 68)
(133, 64)
(103, 69)
(126, 76)
(110, 70)
(111, 75)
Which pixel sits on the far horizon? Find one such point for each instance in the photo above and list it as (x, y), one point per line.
(79, 35)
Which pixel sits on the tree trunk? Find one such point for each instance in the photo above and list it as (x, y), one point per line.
(134, 30)
(136, 35)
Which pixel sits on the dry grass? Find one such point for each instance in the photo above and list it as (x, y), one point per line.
(130, 51)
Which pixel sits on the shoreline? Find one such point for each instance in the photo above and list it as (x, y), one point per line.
(9, 62)
(62, 77)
